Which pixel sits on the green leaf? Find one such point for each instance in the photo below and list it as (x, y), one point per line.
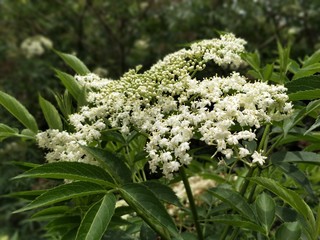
(6, 132)
(289, 230)
(50, 213)
(163, 192)
(295, 157)
(306, 88)
(64, 192)
(289, 123)
(115, 166)
(70, 170)
(149, 208)
(235, 200)
(307, 71)
(50, 114)
(266, 209)
(18, 111)
(253, 59)
(97, 218)
(75, 63)
(314, 58)
(237, 221)
(315, 125)
(290, 197)
(73, 87)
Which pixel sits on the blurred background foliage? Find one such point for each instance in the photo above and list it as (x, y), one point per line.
(112, 36)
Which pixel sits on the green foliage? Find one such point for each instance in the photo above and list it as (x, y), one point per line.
(86, 206)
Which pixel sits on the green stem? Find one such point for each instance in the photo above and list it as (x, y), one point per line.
(191, 202)
(264, 140)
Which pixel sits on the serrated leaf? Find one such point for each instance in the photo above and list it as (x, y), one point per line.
(266, 208)
(73, 87)
(149, 208)
(70, 170)
(289, 230)
(115, 166)
(290, 197)
(97, 218)
(235, 200)
(51, 114)
(75, 63)
(314, 58)
(163, 192)
(305, 88)
(64, 192)
(237, 221)
(18, 111)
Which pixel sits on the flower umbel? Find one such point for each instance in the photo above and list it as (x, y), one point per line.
(170, 104)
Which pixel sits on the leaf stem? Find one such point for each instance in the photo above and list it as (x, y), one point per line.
(191, 202)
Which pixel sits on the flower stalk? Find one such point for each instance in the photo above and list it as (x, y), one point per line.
(191, 202)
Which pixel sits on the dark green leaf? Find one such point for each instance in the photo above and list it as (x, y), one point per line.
(50, 114)
(237, 221)
(75, 63)
(70, 170)
(149, 208)
(163, 192)
(115, 166)
(97, 218)
(289, 230)
(295, 157)
(235, 200)
(296, 174)
(64, 192)
(18, 111)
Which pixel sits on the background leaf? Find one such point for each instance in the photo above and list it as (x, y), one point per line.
(289, 230)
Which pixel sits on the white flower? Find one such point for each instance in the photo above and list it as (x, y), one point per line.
(258, 158)
(243, 152)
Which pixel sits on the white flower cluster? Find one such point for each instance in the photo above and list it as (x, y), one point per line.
(35, 46)
(172, 106)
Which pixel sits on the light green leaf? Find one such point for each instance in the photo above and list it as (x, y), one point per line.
(70, 170)
(18, 111)
(97, 218)
(115, 166)
(237, 221)
(64, 192)
(150, 209)
(290, 197)
(266, 209)
(75, 63)
(50, 114)
(235, 200)
(289, 230)
(314, 58)
(73, 87)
